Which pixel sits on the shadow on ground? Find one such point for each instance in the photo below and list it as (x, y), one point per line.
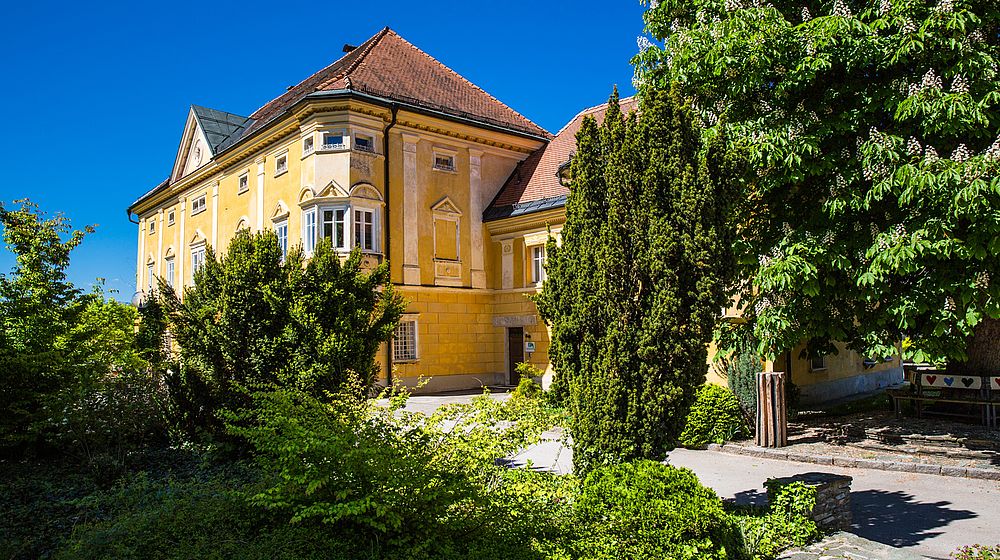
(893, 518)
(898, 519)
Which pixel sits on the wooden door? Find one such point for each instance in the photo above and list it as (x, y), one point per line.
(515, 352)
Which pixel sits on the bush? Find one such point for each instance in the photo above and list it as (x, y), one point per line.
(404, 480)
(977, 552)
(715, 417)
(786, 523)
(649, 510)
(181, 519)
(254, 317)
(527, 388)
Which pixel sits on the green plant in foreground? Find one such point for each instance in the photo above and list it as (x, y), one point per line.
(715, 417)
(787, 522)
(650, 510)
(977, 552)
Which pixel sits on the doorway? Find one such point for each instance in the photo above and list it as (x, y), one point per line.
(515, 352)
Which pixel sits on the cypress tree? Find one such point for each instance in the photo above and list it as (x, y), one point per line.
(634, 290)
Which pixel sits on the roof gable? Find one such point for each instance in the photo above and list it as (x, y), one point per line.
(388, 66)
(206, 133)
(534, 185)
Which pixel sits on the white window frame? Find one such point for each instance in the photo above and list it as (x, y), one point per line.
(281, 230)
(197, 258)
(152, 225)
(367, 135)
(354, 208)
(199, 204)
(171, 270)
(445, 154)
(151, 276)
(308, 145)
(278, 168)
(170, 218)
(343, 244)
(310, 217)
(243, 183)
(332, 147)
(538, 260)
(413, 351)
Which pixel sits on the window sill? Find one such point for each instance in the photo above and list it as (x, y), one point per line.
(410, 361)
(280, 173)
(243, 191)
(196, 212)
(373, 153)
(453, 171)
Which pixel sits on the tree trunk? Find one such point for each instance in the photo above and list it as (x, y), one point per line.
(983, 351)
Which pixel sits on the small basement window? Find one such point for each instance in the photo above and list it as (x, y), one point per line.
(404, 341)
(817, 364)
(364, 142)
(444, 162)
(333, 140)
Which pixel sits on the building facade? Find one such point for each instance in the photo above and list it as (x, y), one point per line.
(389, 150)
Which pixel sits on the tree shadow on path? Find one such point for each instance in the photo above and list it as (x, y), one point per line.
(898, 519)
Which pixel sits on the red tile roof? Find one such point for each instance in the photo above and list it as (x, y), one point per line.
(388, 66)
(536, 178)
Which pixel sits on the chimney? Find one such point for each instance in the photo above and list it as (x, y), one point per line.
(348, 47)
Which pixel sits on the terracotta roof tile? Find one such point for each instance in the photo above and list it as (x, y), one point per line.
(536, 178)
(386, 65)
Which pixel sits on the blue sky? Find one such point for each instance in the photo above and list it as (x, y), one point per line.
(95, 94)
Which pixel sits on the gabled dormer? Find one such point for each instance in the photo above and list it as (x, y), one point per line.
(206, 133)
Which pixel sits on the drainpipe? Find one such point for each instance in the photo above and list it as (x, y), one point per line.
(129, 213)
(388, 228)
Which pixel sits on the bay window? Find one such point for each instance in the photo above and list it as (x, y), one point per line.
(364, 229)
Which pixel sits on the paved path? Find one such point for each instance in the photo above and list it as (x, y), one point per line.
(930, 515)
(845, 546)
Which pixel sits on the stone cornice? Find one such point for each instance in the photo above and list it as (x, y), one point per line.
(511, 227)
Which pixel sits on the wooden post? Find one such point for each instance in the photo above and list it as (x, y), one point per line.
(772, 420)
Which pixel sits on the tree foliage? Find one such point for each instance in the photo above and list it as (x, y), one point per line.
(873, 128)
(39, 313)
(255, 318)
(634, 289)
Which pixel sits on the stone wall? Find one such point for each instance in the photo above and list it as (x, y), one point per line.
(833, 497)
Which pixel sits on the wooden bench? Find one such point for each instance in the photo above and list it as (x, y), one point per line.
(935, 386)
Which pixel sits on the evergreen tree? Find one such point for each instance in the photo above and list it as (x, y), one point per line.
(633, 292)
(254, 319)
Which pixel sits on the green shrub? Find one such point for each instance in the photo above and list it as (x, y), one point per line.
(977, 552)
(740, 368)
(173, 519)
(649, 510)
(527, 388)
(715, 417)
(402, 479)
(786, 523)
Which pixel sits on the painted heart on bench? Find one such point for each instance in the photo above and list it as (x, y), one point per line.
(930, 379)
(997, 381)
(949, 380)
(968, 381)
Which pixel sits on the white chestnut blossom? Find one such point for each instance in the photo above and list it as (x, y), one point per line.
(960, 154)
(841, 9)
(913, 147)
(643, 42)
(806, 16)
(908, 27)
(931, 155)
(983, 280)
(930, 80)
(959, 84)
(993, 152)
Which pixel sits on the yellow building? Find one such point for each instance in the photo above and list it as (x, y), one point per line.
(389, 150)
